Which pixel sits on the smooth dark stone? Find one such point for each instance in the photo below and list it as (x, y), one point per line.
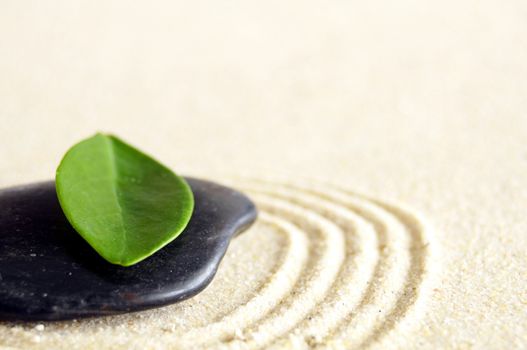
(48, 272)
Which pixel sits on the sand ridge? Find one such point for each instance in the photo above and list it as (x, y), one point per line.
(403, 251)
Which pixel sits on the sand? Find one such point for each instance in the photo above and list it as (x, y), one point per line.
(384, 143)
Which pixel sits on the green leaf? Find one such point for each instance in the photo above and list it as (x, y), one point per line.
(122, 202)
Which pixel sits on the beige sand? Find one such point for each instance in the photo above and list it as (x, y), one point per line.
(384, 142)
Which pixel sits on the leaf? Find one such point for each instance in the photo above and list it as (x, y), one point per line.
(123, 203)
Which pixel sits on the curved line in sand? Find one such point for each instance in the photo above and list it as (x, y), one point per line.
(355, 256)
(420, 249)
(314, 283)
(276, 287)
(415, 282)
(326, 242)
(348, 257)
(356, 282)
(400, 234)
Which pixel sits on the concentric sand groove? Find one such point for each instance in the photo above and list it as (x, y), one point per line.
(415, 278)
(275, 325)
(339, 301)
(326, 255)
(276, 288)
(414, 282)
(394, 280)
(313, 285)
(361, 253)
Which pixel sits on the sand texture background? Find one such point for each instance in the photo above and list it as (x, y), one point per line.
(383, 141)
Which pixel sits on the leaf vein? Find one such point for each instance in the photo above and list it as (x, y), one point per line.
(115, 177)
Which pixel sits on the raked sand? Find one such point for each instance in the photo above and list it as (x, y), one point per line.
(385, 144)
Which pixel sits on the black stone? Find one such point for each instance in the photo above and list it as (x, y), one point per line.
(48, 272)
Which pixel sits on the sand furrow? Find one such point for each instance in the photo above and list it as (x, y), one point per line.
(388, 274)
(361, 260)
(313, 285)
(278, 286)
(413, 288)
(394, 288)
